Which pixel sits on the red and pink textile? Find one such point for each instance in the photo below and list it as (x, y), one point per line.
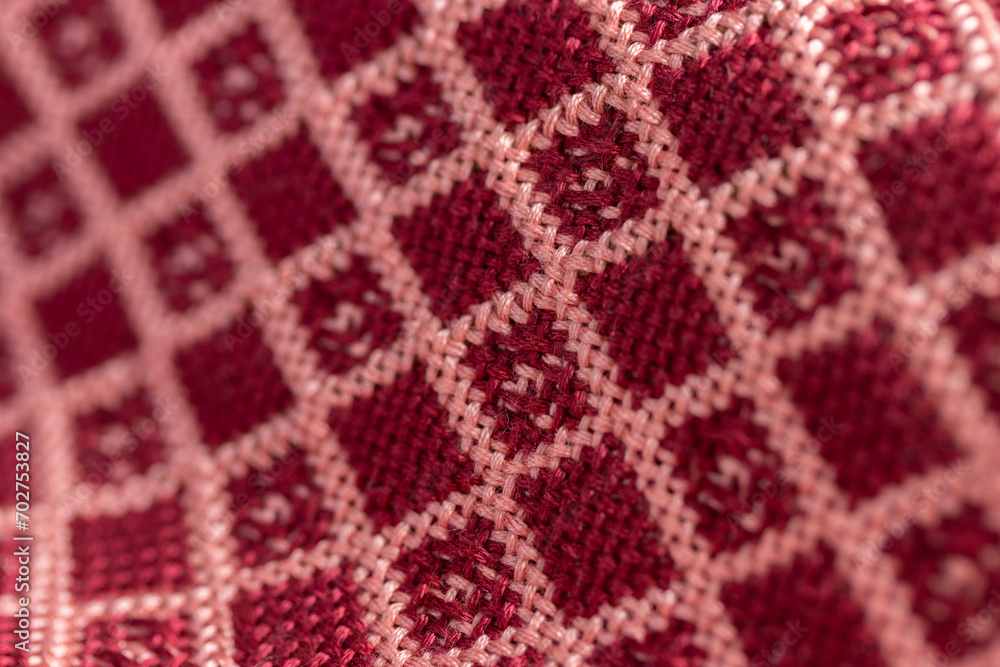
(472, 333)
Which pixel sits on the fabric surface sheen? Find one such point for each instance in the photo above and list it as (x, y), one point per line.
(473, 333)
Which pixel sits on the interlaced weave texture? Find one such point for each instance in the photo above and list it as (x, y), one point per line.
(476, 333)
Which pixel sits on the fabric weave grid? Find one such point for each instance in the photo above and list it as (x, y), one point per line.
(551, 427)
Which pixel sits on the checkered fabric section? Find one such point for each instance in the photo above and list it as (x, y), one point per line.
(477, 333)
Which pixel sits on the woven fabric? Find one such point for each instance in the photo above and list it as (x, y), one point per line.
(476, 333)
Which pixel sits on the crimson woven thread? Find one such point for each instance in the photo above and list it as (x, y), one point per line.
(492, 333)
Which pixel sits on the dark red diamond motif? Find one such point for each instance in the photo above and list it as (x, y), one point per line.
(277, 510)
(84, 321)
(954, 572)
(412, 459)
(240, 80)
(82, 37)
(596, 180)
(113, 443)
(137, 552)
(585, 514)
(942, 168)
(407, 130)
(660, 323)
(131, 138)
(868, 412)
(794, 256)
(533, 354)
(291, 196)
(739, 92)
(43, 212)
(552, 52)
(348, 317)
(781, 617)
(215, 374)
(738, 487)
(488, 610)
(190, 261)
(463, 247)
(345, 33)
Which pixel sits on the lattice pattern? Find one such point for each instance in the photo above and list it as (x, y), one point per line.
(503, 333)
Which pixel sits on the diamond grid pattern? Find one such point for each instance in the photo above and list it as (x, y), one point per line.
(713, 635)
